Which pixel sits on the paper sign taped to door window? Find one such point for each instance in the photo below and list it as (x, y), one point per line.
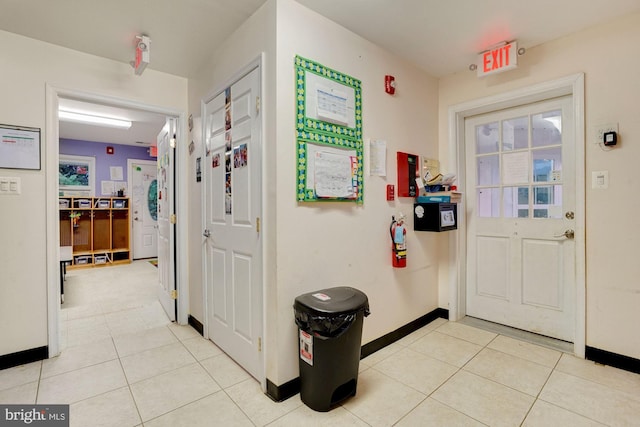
(515, 168)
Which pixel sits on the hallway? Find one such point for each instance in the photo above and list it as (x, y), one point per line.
(125, 364)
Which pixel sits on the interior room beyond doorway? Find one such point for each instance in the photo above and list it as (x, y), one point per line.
(105, 302)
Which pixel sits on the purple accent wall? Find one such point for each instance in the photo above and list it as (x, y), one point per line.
(103, 160)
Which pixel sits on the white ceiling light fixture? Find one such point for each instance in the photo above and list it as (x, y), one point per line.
(76, 117)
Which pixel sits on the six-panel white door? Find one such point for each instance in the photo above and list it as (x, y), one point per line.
(232, 200)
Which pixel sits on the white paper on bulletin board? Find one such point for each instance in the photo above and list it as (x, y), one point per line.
(330, 172)
(515, 168)
(330, 101)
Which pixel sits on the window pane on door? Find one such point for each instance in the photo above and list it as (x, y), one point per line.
(547, 201)
(516, 202)
(488, 202)
(487, 138)
(488, 168)
(547, 128)
(547, 164)
(515, 134)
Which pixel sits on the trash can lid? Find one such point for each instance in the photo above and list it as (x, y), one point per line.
(338, 300)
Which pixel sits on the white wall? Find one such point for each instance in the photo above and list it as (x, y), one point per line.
(313, 246)
(26, 66)
(323, 245)
(607, 56)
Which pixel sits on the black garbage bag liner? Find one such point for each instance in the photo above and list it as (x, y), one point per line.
(324, 327)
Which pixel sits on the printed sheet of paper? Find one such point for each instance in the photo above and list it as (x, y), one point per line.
(378, 158)
(333, 175)
(107, 188)
(330, 101)
(19, 148)
(515, 168)
(116, 173)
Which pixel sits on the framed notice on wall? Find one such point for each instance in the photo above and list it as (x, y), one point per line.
(328, 133)
(19, 147)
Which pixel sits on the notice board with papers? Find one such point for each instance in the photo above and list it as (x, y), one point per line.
(328, 134)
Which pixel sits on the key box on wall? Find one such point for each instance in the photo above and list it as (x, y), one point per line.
(435, 216)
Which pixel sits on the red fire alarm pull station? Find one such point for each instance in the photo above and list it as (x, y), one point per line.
(391, 192)
(407, 173)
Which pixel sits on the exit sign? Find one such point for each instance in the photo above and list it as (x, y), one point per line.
(498, 59)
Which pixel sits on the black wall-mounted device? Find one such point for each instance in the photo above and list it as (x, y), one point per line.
(610, 138)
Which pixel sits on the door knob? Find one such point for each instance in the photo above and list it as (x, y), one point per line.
(206, 233)
(569, 234)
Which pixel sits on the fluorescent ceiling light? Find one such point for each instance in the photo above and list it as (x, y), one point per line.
(71, 116)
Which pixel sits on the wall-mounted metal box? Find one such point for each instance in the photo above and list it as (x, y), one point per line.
(435, 216)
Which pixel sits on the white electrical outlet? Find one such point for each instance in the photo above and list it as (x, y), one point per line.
(600, 130)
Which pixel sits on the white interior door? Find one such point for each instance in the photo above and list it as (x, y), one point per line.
(166, 218)
(520, 193)
(233, 248)
(144, 202)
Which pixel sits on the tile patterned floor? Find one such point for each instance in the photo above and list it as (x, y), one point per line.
(125, 364)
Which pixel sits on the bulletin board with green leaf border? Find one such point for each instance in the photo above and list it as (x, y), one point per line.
(328, 134)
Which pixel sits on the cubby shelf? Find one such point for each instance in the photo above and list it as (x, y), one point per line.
(97, 228)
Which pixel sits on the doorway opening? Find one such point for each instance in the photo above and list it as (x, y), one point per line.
(112, 187)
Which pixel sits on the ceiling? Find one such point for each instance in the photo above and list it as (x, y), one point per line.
(145, 126)
(441, 37)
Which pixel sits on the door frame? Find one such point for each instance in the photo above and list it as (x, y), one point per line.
(257, 63)
(570, 85)
(130, 163)
(51, 154)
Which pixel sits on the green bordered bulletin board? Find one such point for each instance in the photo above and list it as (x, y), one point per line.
(328, 134)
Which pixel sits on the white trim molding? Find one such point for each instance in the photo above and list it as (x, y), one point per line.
(572, 85)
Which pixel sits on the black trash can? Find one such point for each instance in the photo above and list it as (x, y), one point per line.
(330, 334)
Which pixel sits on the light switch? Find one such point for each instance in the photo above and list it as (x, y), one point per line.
(9, 185)
(600, 180)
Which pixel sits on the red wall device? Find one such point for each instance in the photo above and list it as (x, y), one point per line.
(391, 192)
(407, 172)
(390, 84)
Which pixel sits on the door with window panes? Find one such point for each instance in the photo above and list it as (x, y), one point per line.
(520, 198)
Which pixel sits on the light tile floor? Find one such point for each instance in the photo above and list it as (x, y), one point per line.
(125, 364)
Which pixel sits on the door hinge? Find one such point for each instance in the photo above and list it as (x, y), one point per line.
(257, 104)
(173, 219)
(257, 224)
(259, 343)
(174, 294)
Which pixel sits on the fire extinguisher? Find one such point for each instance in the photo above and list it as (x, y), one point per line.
(398, 246)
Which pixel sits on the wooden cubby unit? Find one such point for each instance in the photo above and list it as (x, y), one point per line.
(100, 234)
